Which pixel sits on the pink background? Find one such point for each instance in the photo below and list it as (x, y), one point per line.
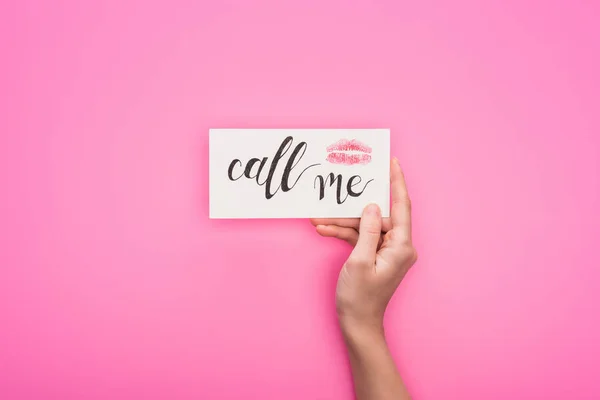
(115, 285)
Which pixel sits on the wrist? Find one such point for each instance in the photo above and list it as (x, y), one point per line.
(359, 331)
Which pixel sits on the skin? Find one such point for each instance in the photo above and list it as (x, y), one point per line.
(382, 255)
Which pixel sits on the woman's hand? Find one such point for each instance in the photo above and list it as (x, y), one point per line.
(382, 255)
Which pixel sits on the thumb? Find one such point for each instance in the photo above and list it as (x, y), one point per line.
(368, 235)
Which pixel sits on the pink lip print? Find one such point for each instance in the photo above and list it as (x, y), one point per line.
(349, 152)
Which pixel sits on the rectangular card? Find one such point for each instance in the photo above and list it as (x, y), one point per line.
(298, 173)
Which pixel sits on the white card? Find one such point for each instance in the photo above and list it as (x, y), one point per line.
(298, 173)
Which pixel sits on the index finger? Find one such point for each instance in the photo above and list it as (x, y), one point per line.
(344, 222)
(400, 212)
(349, 222)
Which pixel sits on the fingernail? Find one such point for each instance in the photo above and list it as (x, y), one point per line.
(395, 161)
(372, 209)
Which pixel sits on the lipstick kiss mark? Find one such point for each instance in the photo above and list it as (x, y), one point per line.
(349, 152)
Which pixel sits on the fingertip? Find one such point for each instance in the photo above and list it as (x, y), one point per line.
(395, 164)
(325, 230)
(396, 169)
(372, 209)
(371, 221)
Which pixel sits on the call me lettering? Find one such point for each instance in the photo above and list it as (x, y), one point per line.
(255, 169)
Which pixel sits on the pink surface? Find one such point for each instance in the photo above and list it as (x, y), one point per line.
(115, 285)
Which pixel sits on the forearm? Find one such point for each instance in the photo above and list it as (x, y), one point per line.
(373, 369)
